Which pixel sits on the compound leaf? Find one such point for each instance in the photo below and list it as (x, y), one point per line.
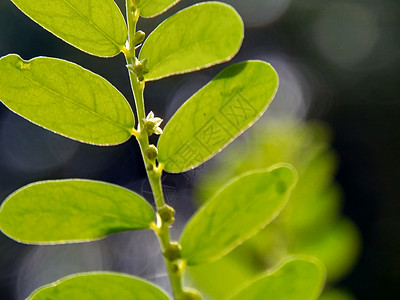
(99, 286)
(297, 278)
(237, 212)
(96, 27)
(62, 211)
(152, 8)
(217, 114)
(197, 37)
(65, 98)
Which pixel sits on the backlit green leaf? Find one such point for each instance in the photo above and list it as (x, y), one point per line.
(296, 279)
(57, 212)
(218, 279)
(336, 294)
(237, 212)
(99, 286)
(197, 37)
(337, 246)
(152, 8)
(96, 27)
(65, 98)
(217, 114)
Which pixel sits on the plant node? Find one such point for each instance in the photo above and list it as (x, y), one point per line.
(189, 294)
(151, 152)
(139, 68)
(166, 214)
(173, 252)
(175, 267)
(134, 5)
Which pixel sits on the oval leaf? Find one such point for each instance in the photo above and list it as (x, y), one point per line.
(65, 98)
(217, 114)
(237, 212)
(296, 279)
(197, 37)
(57, 212)
(96, 27)
(152, 8)
(99, 286)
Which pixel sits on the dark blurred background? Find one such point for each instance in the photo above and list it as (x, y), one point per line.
(339, 61)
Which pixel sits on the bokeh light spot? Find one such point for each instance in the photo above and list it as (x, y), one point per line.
(258, 13)
(346, 33)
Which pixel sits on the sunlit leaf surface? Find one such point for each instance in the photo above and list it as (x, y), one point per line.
(65, 98)
(295, 279)
(65, 211)
(99, 286)
(217, 114)
(197, 37)
(96, 27)
(238, 211)
(152, 8)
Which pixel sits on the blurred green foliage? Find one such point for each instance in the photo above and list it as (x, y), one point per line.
(336, 294)
(311, 224)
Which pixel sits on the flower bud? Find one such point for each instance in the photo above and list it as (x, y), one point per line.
(139, 68)
(166, 214)
(190, 294)
(139, 37)
(152, 124)
(151, 152)
(173, 251)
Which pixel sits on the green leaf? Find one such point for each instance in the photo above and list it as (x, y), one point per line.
(296, 279)
(336, 294)
(57, 212)
(65, 98)
(237, 212)
(337, 246)
(96, 27)
(197, 37)
(99, 286)
(152, 8)
(218, 279)
(217, 114)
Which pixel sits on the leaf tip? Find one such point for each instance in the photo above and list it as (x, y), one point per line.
(287, 173)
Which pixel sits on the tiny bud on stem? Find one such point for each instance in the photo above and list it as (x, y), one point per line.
(166, 214)
(151, 152)
(173, 251)
(190, 294)
(139, 37)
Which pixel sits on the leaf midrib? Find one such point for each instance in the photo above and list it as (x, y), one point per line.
(77, 211)
(93, 24)
(79, 105)
(183, 49)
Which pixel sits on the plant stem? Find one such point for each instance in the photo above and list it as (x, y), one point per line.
(154, 172)
(132, 16)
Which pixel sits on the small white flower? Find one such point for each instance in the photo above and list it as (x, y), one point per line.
(152, 124)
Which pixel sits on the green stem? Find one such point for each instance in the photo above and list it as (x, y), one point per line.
(132, 16)
(154, 172)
